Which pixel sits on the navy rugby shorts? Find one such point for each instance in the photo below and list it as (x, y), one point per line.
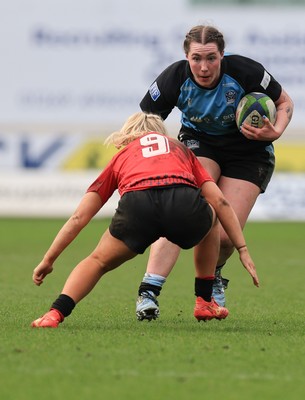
(178, 213)
(253, 162)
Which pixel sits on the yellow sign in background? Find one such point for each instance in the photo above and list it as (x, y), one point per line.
(290, 157)
(93, 154)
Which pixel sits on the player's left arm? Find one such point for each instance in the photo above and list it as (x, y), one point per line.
(284, 111)
(269, 132)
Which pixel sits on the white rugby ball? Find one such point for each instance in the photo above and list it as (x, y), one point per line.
(252, 107)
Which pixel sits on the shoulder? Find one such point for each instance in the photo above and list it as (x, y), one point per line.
(177, 69)
(163, 93)
(240, 64)
(251, 75)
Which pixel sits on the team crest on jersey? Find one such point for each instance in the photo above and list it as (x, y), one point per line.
(154, 91)
(230, 96)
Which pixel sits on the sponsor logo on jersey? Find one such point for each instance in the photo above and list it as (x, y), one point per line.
(192, 144)
(154, 91)
(196, 119)
(229, 117)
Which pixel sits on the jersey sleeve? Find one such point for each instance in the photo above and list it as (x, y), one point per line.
(162, 96)
(253, 76)
(199, 172)
(105, 184)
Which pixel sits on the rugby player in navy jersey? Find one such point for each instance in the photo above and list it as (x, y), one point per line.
(207, 87)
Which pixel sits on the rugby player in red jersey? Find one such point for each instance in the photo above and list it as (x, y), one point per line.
(165, 192)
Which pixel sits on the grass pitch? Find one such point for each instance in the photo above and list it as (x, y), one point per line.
(102, 352)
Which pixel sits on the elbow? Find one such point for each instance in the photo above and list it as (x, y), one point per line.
(76, 223)
(222, 202)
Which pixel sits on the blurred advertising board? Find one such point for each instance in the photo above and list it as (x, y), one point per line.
(71, 72)
(91, 61)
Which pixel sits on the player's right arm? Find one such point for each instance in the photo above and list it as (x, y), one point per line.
(163, 94)
(88, 207)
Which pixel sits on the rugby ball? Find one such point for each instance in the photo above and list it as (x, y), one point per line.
(253, 107)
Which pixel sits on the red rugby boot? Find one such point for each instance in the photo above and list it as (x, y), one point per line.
(51, 319)
(204, 310)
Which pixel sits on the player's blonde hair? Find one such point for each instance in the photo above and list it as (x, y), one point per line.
(137, 125)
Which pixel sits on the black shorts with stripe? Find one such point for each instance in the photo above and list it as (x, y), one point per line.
(178, 213)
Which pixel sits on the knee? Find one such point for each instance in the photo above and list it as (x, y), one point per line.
(105, 261)
(99, 264)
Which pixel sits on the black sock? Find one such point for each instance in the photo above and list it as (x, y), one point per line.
(144, 287)
(64, 304)
(204, 288)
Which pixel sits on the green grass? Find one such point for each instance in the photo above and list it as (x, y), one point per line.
(102, 352)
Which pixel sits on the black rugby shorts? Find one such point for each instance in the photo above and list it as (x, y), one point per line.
(247, 161)
(178, 213)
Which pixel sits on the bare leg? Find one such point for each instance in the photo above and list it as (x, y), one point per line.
(109, 254)
(162, 258)
(206, 253)
(205, 257)
(242, 195)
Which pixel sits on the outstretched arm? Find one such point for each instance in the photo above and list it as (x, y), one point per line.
(88, 207)
(231, 225)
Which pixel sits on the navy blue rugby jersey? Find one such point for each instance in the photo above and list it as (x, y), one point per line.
(209, 114)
